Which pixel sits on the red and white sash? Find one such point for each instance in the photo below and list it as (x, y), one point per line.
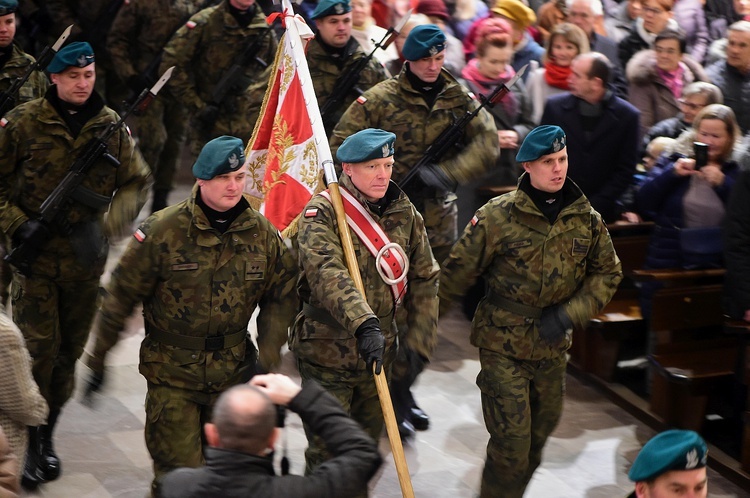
(371, 234)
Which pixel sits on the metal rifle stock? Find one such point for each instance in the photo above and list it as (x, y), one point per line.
(451, 135)
(24, 255)
(348, 80)
(8, 97)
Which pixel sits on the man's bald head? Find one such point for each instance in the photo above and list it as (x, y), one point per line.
(244, 418)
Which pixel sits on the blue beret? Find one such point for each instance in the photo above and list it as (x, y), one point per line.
(77, 54)
(219, 156)
(543, 140)
(8, 7)
(366, 145)
(423, 41)
(670, 450)
(327, 8)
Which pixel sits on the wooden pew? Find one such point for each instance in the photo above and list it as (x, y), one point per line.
(596, 349)
(692, 358)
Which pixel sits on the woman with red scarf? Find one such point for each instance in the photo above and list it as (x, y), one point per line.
(565, 42)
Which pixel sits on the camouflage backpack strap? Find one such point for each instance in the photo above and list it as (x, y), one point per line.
(392, 261)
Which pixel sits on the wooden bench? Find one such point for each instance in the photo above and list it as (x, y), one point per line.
(596, 349)
(691, 359)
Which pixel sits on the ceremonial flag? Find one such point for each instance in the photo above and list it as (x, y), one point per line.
(289, 144)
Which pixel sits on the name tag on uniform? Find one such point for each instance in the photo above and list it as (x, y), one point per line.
(518, 244)
(580, 247)
(255, 269)
(185, 267)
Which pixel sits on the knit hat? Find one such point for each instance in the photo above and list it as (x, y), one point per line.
(516, 11)
(434, 8)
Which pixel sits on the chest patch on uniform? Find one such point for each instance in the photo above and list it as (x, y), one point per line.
(185, 267)
(361, 99)
(580, 247)
(255, 269)
(517, 244)
(311, 213)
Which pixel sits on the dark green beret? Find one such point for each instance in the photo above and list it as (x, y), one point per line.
(8, 7)
(327, 8)
(77, 54)
(219, 156)
(670, 450)
(543, 140)
(366, 145)
(423, 41)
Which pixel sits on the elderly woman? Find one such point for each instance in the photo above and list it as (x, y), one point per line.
(657, 78)
(566, 41)
(690, 195)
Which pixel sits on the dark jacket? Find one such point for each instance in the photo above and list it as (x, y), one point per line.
(670, 128)
(660, 200)
(735, 87)
(603, 162)
(231, 474)
(737, 249)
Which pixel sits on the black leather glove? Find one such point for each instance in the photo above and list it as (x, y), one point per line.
(371, 344)
(94, 382)
(432, 176)
(31, 232)
(206, 117)
(553, 324)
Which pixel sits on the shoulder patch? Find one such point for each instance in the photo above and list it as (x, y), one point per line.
(472, 96)
(474, 221)
(3, 122)
(190, 25)
(311, 213)
(127, 128)
(139, 235)
(361, 100)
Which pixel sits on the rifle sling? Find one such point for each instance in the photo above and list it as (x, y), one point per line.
(89, 198)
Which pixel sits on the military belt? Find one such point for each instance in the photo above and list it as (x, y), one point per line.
(213, 343)
(513, 306)
(322, 316)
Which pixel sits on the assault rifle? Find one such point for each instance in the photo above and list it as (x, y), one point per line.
(231, 78)
(451, 135)
(348, 80)
(24, 255)
(8, 97)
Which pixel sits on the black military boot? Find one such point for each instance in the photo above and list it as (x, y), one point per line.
(33, 475)
(49, 462)
(159, 201)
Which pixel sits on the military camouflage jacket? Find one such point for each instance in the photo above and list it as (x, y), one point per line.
(141, 30)
(524, 258)
(84, 15)
(16, 67)
(194, 281)
(205, 47)
(37, 151)
(396, 106)
(324, 72)
(325, 283)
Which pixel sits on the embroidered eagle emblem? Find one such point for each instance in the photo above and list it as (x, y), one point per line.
(233, 161)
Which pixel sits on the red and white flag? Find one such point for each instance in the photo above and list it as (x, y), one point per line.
(289, 144)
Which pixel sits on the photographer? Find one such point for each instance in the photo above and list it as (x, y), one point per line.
(241, 438)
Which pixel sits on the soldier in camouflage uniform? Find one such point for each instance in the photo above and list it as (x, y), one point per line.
(333, 52)
(202, 51)
(200, 268)
(14, 63)
(549, 264)
(55, 305)
(336, 320)
(417, 105)
(135, 42)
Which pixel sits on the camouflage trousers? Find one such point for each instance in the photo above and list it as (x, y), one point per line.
(356, 391)
(521, 402)
(174, 427)
(55, 317)
(161, 131)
